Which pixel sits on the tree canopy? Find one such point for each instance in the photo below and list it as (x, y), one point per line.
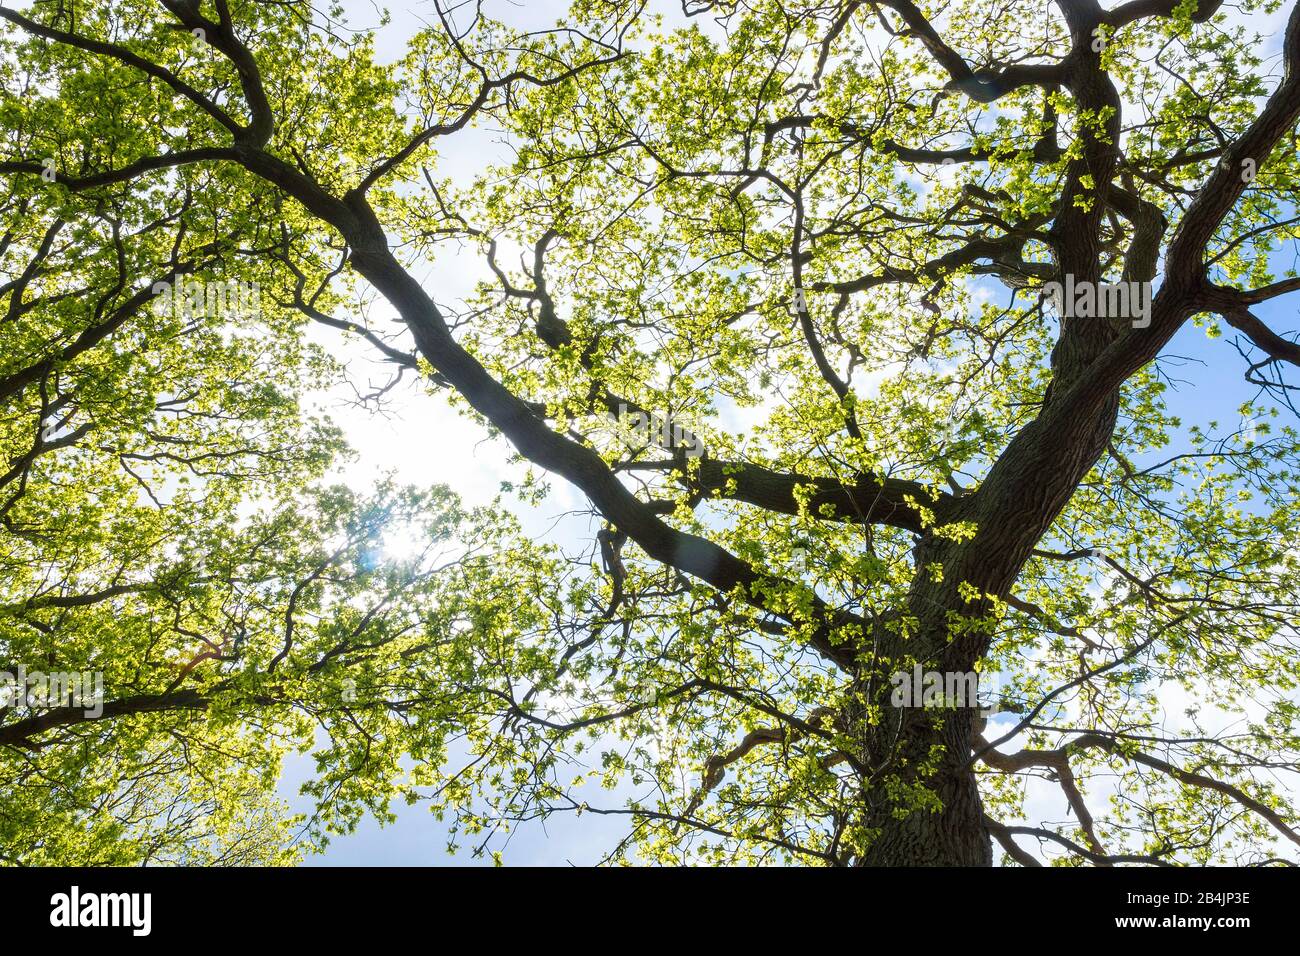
(817, 242)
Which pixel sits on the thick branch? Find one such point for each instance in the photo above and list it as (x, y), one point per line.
(872, 500)
(21, 732)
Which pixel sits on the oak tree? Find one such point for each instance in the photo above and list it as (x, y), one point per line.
(823, 243)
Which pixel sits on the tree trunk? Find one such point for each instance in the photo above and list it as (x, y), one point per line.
(923, 803)
(954, 833)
